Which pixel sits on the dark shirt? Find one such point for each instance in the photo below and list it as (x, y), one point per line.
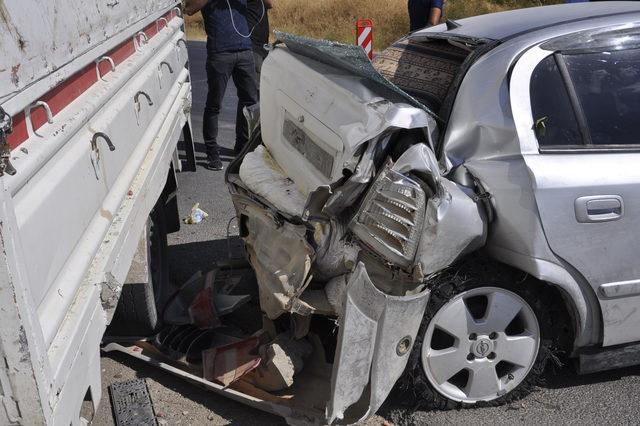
(221, 36)
(419, 11)
(260, 35)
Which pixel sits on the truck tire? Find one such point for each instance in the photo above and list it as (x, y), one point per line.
(484, 340)
(136, 315)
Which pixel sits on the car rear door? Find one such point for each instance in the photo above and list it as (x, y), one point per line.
(581, 142)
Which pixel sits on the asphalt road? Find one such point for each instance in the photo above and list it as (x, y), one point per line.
(564, 398)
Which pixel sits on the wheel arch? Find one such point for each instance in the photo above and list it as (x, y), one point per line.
(477, 271)
(578, 297)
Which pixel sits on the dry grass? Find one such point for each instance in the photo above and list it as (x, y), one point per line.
(335, 19)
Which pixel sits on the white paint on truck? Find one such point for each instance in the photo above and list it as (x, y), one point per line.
(72, 216)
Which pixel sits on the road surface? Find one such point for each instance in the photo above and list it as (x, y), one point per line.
(565, 398)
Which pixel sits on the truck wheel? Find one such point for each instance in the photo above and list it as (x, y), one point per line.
(137, 312)
(481, 343)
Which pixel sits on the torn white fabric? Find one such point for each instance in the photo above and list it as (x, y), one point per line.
(263, 176)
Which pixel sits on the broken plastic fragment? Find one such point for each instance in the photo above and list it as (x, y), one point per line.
(197, 215)
(227, 364)
(281, 360)
(201, 301)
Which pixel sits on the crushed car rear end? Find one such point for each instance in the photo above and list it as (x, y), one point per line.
(345, 215)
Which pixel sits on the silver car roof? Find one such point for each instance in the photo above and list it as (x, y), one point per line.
(510, 24)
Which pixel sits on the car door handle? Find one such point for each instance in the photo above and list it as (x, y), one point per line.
(599, 208)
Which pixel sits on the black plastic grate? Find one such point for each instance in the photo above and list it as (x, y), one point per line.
(131, 403)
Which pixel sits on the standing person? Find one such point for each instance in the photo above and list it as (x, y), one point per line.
(229, 54)
(258, 20)
(424, 13)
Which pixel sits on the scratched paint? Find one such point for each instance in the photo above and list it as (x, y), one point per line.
(38, 38)
(14, 75)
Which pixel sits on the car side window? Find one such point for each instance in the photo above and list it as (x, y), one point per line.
(553, 115)
(607, 85)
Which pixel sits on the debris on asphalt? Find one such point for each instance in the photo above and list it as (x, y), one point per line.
(197, 215)
(227, 364)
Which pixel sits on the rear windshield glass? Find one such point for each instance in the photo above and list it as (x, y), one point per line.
(608, 88)
(352, 59)
(425, 70)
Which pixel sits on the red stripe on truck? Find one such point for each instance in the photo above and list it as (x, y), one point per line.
(72, 88)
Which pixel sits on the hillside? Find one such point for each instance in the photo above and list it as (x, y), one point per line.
(335, 19)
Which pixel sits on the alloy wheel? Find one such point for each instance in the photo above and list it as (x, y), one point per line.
(480, 345)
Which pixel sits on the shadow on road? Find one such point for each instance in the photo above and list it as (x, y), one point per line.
(226, 155)
(398, 412)
(184, 264)
(235, 412)
(567, 377)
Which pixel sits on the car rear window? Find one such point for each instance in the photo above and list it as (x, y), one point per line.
(607, 85)
(425, 70)
(556, 124)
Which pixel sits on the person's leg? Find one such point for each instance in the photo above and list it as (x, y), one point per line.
(418, 14)
(219, 68)
(244, 77)
(412, 14)
(258, 58)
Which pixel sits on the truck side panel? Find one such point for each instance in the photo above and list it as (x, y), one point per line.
(117, 84)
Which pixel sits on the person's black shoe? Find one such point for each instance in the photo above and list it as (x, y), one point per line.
(214, 162)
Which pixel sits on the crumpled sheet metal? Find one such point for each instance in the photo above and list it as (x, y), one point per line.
(323, 114)
(454, 226)
(481, 133)
(281, 259)
(350, 58)
(353, 188)
(454, 223)
(373, 327)
(418, 158)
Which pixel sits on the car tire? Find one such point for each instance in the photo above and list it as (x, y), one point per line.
(468, 353)
(136, 315)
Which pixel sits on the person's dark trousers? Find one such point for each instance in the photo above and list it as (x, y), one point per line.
(221, 66)
(259, 55)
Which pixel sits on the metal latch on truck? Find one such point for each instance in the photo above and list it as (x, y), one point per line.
(6, 127)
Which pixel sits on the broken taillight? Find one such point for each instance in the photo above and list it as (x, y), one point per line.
(391, 217)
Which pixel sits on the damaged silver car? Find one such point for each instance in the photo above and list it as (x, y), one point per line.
(444, 219)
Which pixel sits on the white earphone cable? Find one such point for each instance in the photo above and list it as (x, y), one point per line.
(233, 22)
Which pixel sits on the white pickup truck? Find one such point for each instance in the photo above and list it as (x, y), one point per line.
(94, 96)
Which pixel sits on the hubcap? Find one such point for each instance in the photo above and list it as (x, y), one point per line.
(480, 345)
